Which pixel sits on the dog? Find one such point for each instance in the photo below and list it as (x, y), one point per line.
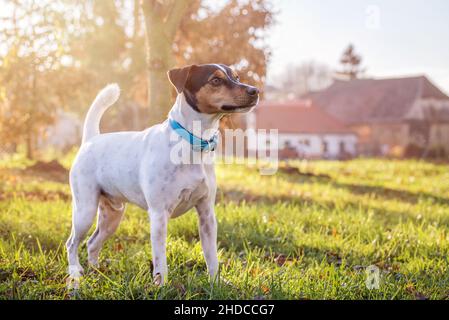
(113, 169)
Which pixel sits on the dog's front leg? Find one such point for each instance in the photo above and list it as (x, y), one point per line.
(158, 221)
(208, 235)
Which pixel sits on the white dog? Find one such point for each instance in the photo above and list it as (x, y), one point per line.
(115, 168)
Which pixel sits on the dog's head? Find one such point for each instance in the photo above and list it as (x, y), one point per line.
(214, 88)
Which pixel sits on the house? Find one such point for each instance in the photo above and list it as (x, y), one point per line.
(392, 117)
(304, 130)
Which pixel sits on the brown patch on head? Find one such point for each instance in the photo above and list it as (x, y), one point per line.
(218, 74)
(210, 98)
(213, 88)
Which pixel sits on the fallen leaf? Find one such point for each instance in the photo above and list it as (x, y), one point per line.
(410, 288)
(118, 247)
(280, 260)
(265, 289)
(334, 232)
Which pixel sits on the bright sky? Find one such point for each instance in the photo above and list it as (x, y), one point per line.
(395, 38)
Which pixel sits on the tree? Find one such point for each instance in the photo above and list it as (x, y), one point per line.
(108, 46)
(351, 63)
(162, 19)
(31, 72)
(57, 54)
(101, 43)
(233, 34)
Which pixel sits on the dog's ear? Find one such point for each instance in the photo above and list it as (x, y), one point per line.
(178, 77)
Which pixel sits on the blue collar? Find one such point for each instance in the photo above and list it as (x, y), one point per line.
(198, 144)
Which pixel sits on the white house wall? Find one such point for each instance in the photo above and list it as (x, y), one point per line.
(315, 145)
(311, 145)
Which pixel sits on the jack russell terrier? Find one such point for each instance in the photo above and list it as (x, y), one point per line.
(114, 168)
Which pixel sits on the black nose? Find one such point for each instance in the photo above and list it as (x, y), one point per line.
(252, 91)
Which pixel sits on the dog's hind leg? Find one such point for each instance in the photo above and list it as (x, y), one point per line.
(84, 206)
(158, 222)
(208, 235)
(109, 217)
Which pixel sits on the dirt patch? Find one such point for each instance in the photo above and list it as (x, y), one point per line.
(13, 181)
(52, 166)
(52, 170)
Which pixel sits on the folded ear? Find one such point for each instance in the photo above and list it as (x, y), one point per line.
(178, 77)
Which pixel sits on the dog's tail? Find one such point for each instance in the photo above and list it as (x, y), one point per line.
(105, 98)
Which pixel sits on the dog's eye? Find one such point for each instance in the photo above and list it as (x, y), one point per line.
(216, 81)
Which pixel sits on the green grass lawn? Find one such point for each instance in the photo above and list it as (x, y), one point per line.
(307, 235)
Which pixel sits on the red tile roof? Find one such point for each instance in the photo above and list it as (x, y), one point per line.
(375, 100)
(297, 117)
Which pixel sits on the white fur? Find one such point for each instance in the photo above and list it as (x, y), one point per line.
(105, 98)
(115, 168)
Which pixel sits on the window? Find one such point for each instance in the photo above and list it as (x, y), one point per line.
(342, 147)
(325, 147)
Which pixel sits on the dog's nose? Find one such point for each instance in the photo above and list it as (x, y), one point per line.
(252, 91)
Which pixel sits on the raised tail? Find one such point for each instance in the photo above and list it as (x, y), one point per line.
(105, 98)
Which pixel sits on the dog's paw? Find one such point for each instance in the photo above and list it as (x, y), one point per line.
(73, 283)
(75, 271)
(74, 278)
(158, 279)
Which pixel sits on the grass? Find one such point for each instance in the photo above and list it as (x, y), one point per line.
(307, 235)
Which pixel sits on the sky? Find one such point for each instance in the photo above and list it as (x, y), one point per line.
(394, 37)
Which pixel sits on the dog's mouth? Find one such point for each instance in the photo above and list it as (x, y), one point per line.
(241, 108)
